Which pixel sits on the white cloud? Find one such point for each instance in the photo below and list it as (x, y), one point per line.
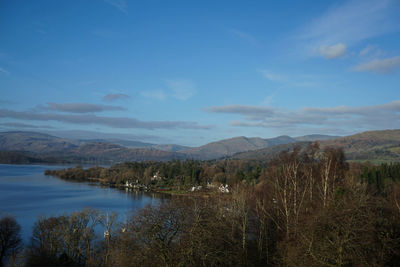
(333, 51)
(154, 94)
(181, 89)
(384, 66)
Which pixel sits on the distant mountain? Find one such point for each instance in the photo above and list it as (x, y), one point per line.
(20, 147)
(234, 145)
(36, 147)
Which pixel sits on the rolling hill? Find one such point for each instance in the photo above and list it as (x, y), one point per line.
(379, 146)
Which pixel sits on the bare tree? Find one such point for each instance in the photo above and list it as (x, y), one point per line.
(289, 191)
(332, 173)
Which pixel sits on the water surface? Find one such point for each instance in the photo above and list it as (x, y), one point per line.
(26, 193)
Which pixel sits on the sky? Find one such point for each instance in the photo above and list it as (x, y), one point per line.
(193, 72)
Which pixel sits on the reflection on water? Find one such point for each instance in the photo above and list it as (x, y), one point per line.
(26, 193)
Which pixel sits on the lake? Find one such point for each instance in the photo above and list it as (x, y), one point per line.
(26, 193)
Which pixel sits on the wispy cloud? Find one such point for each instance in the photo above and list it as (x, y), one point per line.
(90, 119)
(350, 23)
(383, 66)
(289, 80)
(181, 89)
(120, 4)
(333, 51)
(4, 71)
(80, 107)
(154, 94)
(275, 77)
(245, 36)
(371, 51)
(113, 97)
(343, 118)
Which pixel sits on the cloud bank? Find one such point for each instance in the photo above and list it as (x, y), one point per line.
(81, 107)
(24, 125)
(90, 119)
(384, 66)
(341, 119)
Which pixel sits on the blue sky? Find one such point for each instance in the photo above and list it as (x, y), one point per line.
(192, 72)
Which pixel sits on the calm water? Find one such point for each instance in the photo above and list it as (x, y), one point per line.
(26, 193)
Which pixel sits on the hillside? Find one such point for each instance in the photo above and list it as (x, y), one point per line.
(231, 146)
(375, 146)
(116, 153)
(379, 146)
(28, 147)
(138, 144)
(34, 142)
(268, 153)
